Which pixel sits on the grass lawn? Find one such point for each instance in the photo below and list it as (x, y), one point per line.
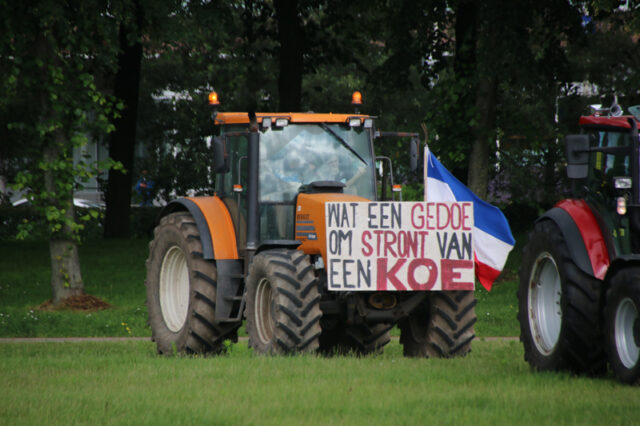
(127, 383)
(114, 270)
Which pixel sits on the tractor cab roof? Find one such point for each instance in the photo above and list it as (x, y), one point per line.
(621, 122)
(292, 117)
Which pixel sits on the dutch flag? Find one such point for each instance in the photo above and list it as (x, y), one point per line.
(492, 239)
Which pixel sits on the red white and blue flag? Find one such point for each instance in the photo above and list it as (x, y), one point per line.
(492, 239)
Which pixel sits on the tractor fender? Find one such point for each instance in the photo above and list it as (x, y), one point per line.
(583, 236)
(214, 223)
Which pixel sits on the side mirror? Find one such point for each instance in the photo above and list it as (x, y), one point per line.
(220, 155)
(577, 156)
(413, 154)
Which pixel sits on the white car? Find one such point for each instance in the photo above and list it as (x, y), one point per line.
(78, 202)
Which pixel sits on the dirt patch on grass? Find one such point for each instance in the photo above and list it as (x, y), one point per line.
(82, 303)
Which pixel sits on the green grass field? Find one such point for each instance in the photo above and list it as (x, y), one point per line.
(114, 270)
(111, 269)
(127, 383)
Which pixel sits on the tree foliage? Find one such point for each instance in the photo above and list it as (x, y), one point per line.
(52, 56)
(492, 82)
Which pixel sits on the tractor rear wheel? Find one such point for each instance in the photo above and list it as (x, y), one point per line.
(622, 323)
(559, 307)
(441, 327)
(283, 303)
(181, 290)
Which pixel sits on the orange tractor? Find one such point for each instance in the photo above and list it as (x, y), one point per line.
(257, 248)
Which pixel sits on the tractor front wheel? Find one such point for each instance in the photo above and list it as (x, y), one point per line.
(622, 323)
(283, 303)
(559, 307)
(181, 290)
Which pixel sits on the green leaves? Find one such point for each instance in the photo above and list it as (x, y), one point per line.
(50, 66)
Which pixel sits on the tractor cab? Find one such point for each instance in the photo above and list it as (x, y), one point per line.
(603, 162)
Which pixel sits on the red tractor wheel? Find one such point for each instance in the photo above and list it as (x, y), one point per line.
(559, 307)
(622, 321)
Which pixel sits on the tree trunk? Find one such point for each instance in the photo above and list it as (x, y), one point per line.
(66, 279)
(465, 67)
(485, 99)
(291, 35)
(465, 29)
(478, 178)
(122, 140)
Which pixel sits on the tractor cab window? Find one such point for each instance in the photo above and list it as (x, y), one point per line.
(237, 150)
(604, 166)
(599, 189)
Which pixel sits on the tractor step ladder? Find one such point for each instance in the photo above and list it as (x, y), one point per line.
(230, 291)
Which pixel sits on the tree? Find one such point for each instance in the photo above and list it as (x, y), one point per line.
(198, 47)
(122, 140)
(507, 59)
(609, 57)
(292, 42)
(51, 54)
(477, 73)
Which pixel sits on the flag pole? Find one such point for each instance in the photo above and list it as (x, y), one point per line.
(426, 167)
(426, 158)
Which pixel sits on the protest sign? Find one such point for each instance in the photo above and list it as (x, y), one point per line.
(399, 246)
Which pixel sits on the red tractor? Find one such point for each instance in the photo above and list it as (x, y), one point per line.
(579, 293)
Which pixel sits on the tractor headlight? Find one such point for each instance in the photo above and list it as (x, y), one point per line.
(282, 122)
(354, 121)
(621, 206)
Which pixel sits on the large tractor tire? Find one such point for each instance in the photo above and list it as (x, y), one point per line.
(283, 303)
(559, 307)
(441, 327)
(355, 339)
(622, 323)
(181, 291)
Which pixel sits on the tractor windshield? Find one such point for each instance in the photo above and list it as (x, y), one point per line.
(299, 154)
(290, 157)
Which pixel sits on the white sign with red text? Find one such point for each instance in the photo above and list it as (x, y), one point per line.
(399, 246)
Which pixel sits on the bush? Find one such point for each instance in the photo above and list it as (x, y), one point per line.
(11, 217)
(521, 216)
(143, 220)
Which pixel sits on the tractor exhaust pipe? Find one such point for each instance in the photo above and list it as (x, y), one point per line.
(253, 207)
